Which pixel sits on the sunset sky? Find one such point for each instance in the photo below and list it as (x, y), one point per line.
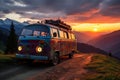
(82, 15)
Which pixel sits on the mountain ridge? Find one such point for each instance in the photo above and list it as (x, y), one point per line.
(7, 22)
(86, 48)
(109, 42)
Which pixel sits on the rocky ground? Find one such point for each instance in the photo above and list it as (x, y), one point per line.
(72, 69)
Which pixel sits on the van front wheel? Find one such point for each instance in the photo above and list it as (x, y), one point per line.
(56, 59)
(70, 55)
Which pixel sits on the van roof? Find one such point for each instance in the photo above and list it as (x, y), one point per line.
(51, 23)
(36, 25)
(58, 23)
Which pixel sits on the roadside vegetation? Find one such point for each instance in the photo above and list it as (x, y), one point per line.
(6, 57)
(8, 47)
(6, 61)
(103, 67)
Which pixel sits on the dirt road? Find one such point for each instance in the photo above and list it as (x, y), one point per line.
(68, 69)
(72, 69)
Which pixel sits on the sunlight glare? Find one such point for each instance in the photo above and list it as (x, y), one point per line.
(95, 29)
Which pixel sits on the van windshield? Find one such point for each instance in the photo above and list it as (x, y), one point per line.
(35, 30)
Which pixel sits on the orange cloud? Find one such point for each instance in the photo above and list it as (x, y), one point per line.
(91, 17)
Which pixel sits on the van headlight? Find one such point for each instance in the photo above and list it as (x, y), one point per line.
(20, 48)
(38, 49)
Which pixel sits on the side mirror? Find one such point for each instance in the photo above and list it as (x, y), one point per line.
(54, 34)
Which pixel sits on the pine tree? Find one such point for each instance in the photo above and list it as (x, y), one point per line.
(11, 46)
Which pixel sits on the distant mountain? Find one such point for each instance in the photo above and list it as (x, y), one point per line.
(81, 37)
(84, 37)
(85, 48)
(7, 22)
(1, 22)
(115, 50)
(4, 31)
(106, 41)
(109, 42)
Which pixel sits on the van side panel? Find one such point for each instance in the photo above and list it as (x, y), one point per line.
(55, 45)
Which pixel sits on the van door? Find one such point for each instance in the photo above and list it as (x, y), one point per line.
(55, 41)
(66, 42)
(63, 45)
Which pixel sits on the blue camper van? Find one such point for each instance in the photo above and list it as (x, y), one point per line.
(47, 42)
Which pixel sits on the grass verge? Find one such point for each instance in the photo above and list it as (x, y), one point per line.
(103, 67)
(6, 58)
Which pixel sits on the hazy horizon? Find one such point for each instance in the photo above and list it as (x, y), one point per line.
(82, 15)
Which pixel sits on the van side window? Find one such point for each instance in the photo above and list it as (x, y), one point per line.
(69, 35)
(66, 35)
(61, 34)
(73, 37)
(54, 32)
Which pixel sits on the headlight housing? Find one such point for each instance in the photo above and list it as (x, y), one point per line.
(20, 48)
(38, 49)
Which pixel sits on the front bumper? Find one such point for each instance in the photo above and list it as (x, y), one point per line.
(22, 56)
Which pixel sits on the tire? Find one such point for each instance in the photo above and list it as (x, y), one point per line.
(56, 59)
(70, 55)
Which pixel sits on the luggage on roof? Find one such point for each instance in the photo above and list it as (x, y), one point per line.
(58, 23)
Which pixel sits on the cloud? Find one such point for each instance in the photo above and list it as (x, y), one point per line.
(110, 8)
(1, 15)
(67, 6)
(78, 10)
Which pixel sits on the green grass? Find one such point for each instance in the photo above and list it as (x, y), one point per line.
(103, 67)
(6, 58)
(1, 51)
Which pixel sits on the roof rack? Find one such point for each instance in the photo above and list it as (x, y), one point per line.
(58, 23)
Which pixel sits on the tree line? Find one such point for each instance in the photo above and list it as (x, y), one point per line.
(12, 41)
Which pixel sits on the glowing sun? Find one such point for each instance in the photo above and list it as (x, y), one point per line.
(95, 29)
